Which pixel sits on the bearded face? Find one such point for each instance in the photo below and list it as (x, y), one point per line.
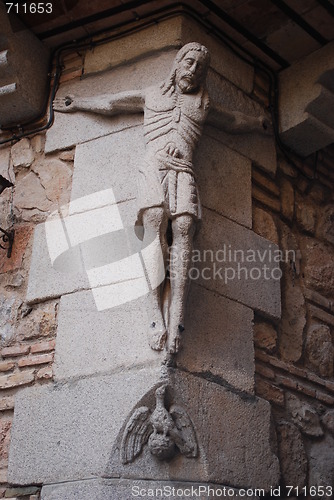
(191, 71)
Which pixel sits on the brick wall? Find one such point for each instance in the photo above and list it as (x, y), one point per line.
(294, 358)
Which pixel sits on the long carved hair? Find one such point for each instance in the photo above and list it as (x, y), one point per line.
(169, 84)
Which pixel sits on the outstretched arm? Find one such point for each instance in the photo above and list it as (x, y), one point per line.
(108, 104)
(235, 122)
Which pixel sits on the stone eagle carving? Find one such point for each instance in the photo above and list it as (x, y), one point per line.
(165, 431)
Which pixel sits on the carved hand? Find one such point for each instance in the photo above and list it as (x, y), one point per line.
(65, 104)
(172, 150)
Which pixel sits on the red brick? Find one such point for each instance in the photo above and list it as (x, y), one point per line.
(21, 240)
(43, 346)
(329, 385)
(16, 350)
(325, 398)
(16, 379)
(269, 392)
(265, 371)
(69, 76)
(308, 391)
(41, 359)
(5, 366)
(45, 373)
(286, 382)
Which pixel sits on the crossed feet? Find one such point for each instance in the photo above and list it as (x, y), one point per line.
(158, 337)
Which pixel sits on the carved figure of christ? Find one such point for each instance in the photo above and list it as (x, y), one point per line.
(174, 114)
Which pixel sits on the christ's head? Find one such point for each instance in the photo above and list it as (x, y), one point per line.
(189, 69)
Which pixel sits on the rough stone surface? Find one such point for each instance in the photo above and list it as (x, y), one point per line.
(292, 455)
(321, 465)
(320, 350)
(91, 341)
(305, 215)
(170, 34)
(265, 336)
(326, 224)
(30, 194)
(5, 426)
(123, 489)
(22, 153)
(39, 322)
(264, 225)
(8, 308)
(293, 322)
(44, 281)
(233, 277)
(328, 420)
(218, 170)
(304, 416)
(218, 339)
(118, 343)
(319, 269)
(115, 165)
(55, 176)
(71, 441)
(4, 163)
(229, 434)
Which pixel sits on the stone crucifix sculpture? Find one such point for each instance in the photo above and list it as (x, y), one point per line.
(174, 114)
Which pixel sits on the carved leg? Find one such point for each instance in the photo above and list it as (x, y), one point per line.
(180, 262)
(154, 253)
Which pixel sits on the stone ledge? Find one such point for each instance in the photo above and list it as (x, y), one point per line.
(123, 489)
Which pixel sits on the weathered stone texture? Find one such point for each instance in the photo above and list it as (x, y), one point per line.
(265, 336)
(304, 416)
(292, 455)
(233, 277)
(325, 228)
(91, 341)
(22, 154)
(320, 350)
(319, 269)
(212, 320)
(321, 464)
(74, 440)
(328, 420)
(264, 225)
(305, 215)
(218, 170)
(293, 322)
(5, 426)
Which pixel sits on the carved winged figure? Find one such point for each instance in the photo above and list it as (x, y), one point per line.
(165, 432)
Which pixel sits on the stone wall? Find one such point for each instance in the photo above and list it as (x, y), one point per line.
(294, 357)
(294, 354)
(27, 330)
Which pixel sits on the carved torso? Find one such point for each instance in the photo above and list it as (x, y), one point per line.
(174, 118)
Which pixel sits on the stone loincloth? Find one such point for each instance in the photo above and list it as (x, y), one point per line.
(169, 182)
